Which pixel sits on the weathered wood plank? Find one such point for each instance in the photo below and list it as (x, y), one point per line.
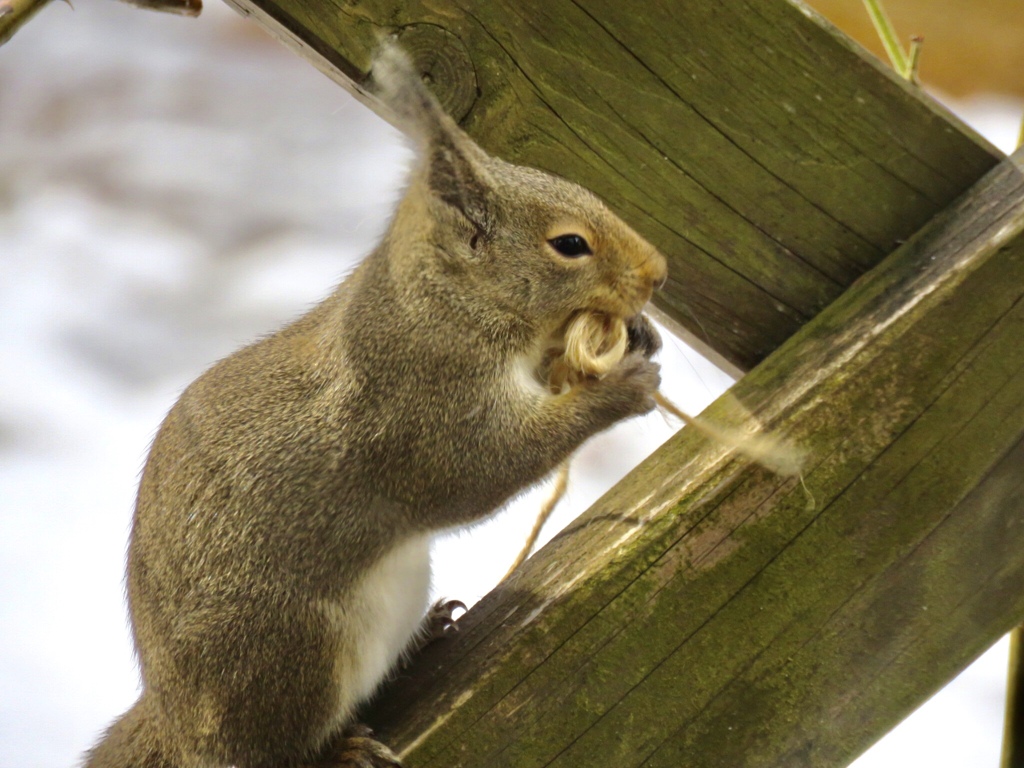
(14, 14)
(707, 613)
(747, 139)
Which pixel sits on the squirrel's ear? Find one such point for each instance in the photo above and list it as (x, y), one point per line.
(455, 165)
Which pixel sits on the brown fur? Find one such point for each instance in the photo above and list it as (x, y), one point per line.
(397, 407)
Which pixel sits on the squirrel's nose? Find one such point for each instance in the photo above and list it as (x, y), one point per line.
(658, 271)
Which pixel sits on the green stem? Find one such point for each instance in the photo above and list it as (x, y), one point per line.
(887, 33)
(915, 58)
(1013, 729)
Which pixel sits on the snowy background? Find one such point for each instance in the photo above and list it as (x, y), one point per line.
(169, 189)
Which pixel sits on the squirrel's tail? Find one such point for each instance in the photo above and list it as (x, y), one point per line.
(133, 741)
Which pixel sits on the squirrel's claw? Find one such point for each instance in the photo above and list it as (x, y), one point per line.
(437, 624)
(439, 621)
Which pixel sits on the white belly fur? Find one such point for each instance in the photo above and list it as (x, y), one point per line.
(378, 619)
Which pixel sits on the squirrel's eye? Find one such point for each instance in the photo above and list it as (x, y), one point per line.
(572, 246)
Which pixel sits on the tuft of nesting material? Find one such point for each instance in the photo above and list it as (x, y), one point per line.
(589, 346)
(771, 452)
(593, 343)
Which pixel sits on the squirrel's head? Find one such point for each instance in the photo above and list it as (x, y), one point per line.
(529, 244)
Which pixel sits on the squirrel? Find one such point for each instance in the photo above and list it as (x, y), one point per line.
(278, 565)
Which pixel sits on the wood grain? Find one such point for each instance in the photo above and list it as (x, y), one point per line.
(749, 140)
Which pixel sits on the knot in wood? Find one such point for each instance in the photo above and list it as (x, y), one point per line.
(445, 65)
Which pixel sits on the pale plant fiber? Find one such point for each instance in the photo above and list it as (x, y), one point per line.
(591, 345)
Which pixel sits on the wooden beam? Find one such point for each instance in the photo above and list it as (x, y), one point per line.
(706, 613)
(754, 144)
(14, 14)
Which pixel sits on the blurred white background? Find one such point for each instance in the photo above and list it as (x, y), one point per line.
(169, 189)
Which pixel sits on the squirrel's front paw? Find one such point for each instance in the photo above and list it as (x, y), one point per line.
(628, 389)
(643, 336)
